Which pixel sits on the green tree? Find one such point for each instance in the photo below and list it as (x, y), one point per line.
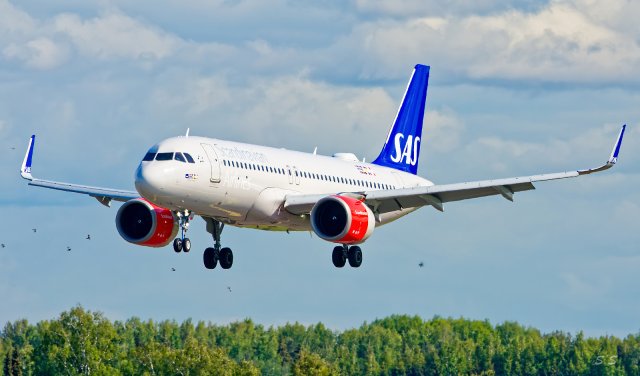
(310, 364)
(79, 342)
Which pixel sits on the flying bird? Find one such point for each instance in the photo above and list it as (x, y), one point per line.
(421, 264)
(229, 288)
(34, 229)
(3, 246)
(173, 269)
(68, 249)
(88, 237)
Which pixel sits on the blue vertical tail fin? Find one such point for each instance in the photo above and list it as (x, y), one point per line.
(402, 148)
(25, 169)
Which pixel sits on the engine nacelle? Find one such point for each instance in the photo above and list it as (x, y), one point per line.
(342, 219)
(143, 223)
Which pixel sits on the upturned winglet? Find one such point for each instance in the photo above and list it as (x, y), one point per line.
(613, 158)
(25, 170)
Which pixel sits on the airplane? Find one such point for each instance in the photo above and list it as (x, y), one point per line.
(339, 198)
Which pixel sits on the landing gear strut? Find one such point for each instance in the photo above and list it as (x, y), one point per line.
(183, 243)
(212, 256)
(343, 253)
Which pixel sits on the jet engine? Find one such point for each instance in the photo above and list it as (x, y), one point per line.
(143, 223)
(342, 219)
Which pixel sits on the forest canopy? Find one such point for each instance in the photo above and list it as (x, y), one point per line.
(84, 342)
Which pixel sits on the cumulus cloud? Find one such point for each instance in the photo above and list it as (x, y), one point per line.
(562, 42)
(115, 35)
(47, 44)
(409, 8)
(39, 53)
(14, 21)
(291, 107)
(589, 148)
(442, 130)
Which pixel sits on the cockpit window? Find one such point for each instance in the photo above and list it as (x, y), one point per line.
(164, 156)
(149, 157)
(189, 158)
(179, 157)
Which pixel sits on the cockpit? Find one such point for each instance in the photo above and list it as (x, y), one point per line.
(168, 156)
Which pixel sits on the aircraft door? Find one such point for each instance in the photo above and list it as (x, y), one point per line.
(214, 162)
(296, 175)
(290, 173)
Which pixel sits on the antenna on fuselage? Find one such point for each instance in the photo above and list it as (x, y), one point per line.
(187, 135)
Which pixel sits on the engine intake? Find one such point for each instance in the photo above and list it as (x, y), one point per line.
(342, 219)
(140, 222)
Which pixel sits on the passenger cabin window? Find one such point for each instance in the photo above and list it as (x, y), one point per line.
(189, 158)
(180, 157)
(164, 156)
(149, 157)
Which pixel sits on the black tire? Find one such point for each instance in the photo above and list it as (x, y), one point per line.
(226, 258)
(177, 245)
(210, 258)
(339, 257)
(186, 245)
(355, 256)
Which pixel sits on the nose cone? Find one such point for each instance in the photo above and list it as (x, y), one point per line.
(149, 181)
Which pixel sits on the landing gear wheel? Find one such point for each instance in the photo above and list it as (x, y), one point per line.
(355, 256)
(339, 257)
(183, 243)
(226, 258)
(210, 258)
(177, 245)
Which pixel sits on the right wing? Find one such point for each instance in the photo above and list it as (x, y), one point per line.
(384, 201)
(103, 195)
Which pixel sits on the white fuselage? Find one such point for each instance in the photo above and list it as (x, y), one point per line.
(246, 185)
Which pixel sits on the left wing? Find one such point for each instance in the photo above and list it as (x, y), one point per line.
(103, 195)
(383, 201)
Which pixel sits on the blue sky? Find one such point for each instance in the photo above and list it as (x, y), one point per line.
(516, 88)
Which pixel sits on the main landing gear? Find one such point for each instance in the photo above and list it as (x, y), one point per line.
(212, 256)
(183, 243)
(343, 253)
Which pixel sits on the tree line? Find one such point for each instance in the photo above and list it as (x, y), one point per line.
(82, 342)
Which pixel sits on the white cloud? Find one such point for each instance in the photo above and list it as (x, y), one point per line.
(293, 107)
(195, 96)
(408, 8)
(561, 42)
(442, 130)
(40, 53)
(115, 35)
(112, 35)
(13, 21)
(568, 41)
(592, 145)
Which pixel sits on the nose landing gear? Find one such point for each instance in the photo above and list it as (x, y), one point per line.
(183, 243)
